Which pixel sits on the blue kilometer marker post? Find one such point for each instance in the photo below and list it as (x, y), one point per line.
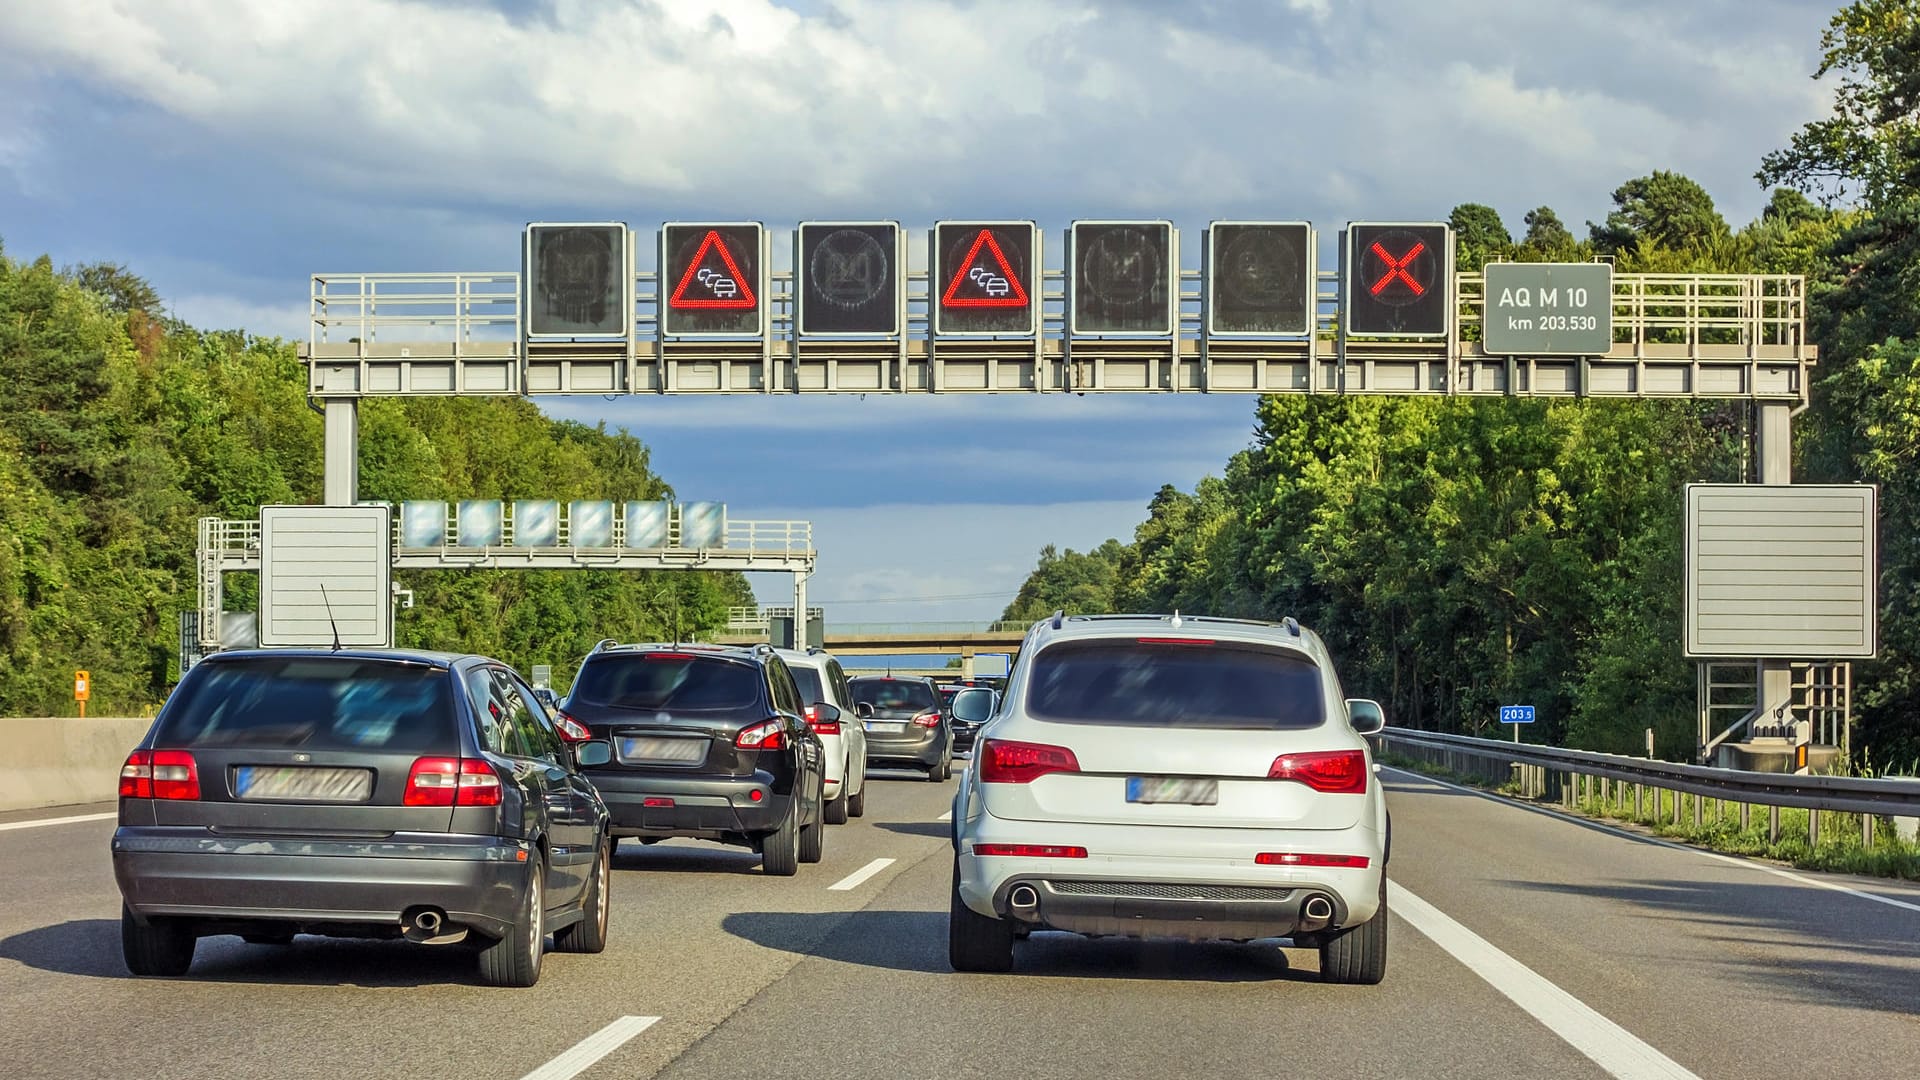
(1516, 715)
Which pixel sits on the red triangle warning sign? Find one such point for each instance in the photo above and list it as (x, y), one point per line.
(984, 283)
(710, 283)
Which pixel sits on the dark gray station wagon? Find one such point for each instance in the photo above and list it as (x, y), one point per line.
(360, 794)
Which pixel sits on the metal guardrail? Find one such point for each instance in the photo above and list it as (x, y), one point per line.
(1552, 768)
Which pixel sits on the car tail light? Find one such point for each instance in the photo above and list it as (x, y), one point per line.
(1290, 858)
(656, 802)
(766, 735)
(1340, 772)
(160, 774)
(1175, 641)
(931, 718)
(1031, 851)
(668, 656)
(445, 781)
(570, 729)
(1003, 761)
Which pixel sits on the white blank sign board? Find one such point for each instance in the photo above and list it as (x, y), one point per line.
(1781, 572)
(326, 566)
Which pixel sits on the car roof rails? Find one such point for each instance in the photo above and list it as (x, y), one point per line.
(1059, 617)
(605, 643)
(1292, 624)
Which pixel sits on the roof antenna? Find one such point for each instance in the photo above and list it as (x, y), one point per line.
(330, 622)
(1175, 621)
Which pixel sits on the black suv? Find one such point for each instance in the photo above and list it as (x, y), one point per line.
(381, 794)
(708, 742)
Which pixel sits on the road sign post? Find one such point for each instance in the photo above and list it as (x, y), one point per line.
(82, 690)
(1516, 715)
(1548, 309)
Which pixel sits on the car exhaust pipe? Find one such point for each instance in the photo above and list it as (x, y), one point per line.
(1024, 902)
(424, 924)
(1316, 913)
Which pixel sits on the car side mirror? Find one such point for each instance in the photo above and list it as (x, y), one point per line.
(546, 698)
(863, 710)
(588, 754)
(824, 713)
(973, 705)
(1366, 716)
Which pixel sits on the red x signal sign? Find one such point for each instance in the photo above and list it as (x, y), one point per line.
(1397, 280)
(1397, 268)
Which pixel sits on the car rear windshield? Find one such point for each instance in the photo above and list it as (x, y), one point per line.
(668, 682)
(893, 693)
(808, 680)
(315, 703)
(1199, 685)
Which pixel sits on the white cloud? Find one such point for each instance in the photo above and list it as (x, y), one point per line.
(215, 311)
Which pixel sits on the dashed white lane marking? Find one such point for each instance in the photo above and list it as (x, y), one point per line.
(592, 1048)
(853, 881)
(1689, 849)
(948, 816)
(1607, 1044)
(38, 822)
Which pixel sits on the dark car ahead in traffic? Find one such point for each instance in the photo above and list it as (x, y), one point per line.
(709, 742)
(907, 726)
(964, 731)
(380, 794)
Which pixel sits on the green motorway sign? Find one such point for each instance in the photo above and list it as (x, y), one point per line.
(1549, 309)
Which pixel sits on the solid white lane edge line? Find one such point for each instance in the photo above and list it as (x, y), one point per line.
(38, 822)
(854, 880)
(948, 816)
(592, 1048)
(1688, 848)
(1610, 1046)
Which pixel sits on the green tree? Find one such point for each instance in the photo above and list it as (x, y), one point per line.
(1480, 235)
(1547, 238)
(1663, 208)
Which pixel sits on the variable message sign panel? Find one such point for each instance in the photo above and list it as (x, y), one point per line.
(1398, 279)
(1123, 278)
(1548, 309)
(985, 278)
(579, 279)
(1260, 278)
(852, 278)
(326, 572)
(1782, 572)
(715, 279)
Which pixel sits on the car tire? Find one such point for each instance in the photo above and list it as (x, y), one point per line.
(589, 935)
(837, 809)
(1357, 955)
(162, 947)
(813, 838)
(976, 942)
(514, 960)
(780, 849)
(938, 773)
(857, 802)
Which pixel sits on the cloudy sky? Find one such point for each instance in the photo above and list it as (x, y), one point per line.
(227, 151)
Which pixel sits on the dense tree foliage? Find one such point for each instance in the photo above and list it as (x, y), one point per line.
(1457, 554)
(119, 429)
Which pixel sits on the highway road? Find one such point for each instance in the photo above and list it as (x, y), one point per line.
(1524, 944)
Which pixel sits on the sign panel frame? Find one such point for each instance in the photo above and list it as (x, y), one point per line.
(1210, 247)
(936, 269)
(671, 279)
(1492, 330)
(1793, 541)
(897, 271)
(528, 279)
(1350, 263)
(1170, 280)
(353, 538)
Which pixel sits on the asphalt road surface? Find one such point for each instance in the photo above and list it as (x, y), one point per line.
(1523, 944)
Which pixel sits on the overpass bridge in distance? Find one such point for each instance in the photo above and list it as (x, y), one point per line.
(964, 639)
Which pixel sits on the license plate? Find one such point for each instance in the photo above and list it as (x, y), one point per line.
(303, 784)
(665, 751)
(884, 728)
(1165, 789)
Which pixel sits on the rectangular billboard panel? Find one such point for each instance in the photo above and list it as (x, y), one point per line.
(1782, 572)
(324, 568)
(579, 279)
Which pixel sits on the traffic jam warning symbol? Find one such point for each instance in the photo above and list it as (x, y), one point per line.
(985, 282)
(713, 280)
(988, 275)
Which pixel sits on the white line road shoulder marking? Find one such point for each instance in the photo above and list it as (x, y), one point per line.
(858, 877)
(948, 816)
(1606, 1043)
(38, 822)
(1688, 848)
(592, 1048)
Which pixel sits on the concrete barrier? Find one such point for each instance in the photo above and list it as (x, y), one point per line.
(62, 760)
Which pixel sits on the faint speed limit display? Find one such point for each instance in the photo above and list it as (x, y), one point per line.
(579, 279)
(1260, 278)
(716, 279)
(850, 279)
(1123, 277)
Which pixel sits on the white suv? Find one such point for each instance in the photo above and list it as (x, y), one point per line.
(822, 681)
(1172, 776)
